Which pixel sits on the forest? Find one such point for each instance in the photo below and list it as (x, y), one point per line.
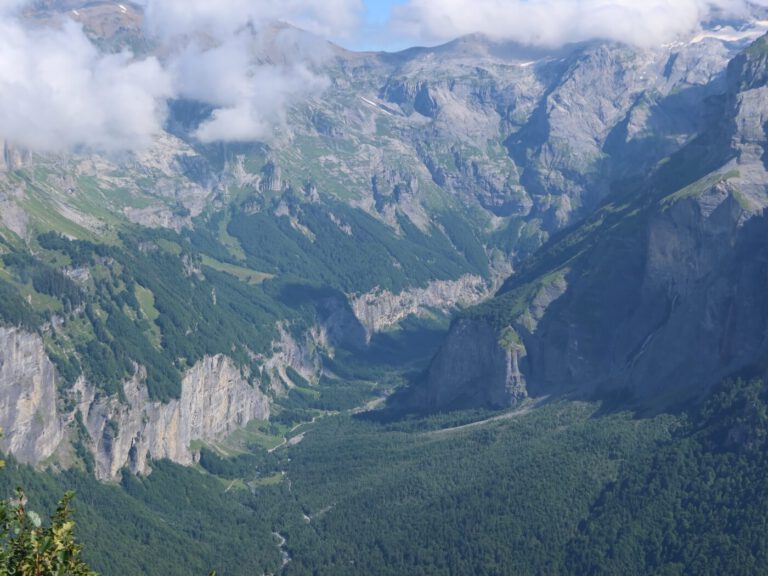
(564, 486)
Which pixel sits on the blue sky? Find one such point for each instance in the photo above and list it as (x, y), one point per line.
(378, 10)
(375, 36)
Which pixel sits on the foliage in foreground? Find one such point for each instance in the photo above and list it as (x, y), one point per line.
(564, 489)
(29, 549)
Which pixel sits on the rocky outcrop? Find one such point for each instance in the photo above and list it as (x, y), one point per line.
(32, 430)
(12, 214)
(216, 399)
(474, 368)
(13, 158)
(40, 420)
(381, 309)
(272, 178)
(299, 354)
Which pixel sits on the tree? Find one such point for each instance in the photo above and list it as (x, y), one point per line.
(29, 549)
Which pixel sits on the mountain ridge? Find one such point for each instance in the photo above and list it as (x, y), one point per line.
(436, 176)
(656, 296)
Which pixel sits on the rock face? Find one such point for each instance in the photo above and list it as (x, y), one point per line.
(473, 368)
(31, 428)
(379, 310)
(216, 399)
(13, 158)
(658, 312)
(522, 133)
(290, 352)
(657, 297)
(664, 315)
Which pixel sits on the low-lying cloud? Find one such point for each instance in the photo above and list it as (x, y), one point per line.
(327, 18)
(59, 92)
(552, 23)
(237, 56)
(250, 97)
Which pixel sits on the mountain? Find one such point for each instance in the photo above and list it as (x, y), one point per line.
(139, 287)
(656, 297)
(476, 308)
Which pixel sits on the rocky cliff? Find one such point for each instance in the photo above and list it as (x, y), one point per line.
(378, 310)
(658, 311)
(216, 399)
(32, 429)
(297, 353)
(13, 157)
(656, 298)
(475, 368)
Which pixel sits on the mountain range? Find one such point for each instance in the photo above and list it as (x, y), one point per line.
(475, 226)
(607, 190)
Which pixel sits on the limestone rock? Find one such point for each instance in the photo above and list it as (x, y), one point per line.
(30, 424)
(216, 399)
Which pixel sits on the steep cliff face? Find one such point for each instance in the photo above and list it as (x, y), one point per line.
(13, 157)
(379, 310)
(31, 428)
(12, 215)
(659, 311)
(475, 368)
(216, 399)
(661, 294)
(661, 316)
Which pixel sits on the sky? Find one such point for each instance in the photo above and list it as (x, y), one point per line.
(378, 11)
(59, 93)
(375, 33)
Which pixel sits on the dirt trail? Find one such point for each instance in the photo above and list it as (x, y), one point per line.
(287, 439)
(526, 408)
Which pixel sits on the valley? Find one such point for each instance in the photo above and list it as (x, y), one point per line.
(475, 308)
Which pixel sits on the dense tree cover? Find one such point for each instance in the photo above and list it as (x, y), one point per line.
(465, 240)
(347, 249)
(200, 311)
(14, 310)
(564, 488)
(245, 465)
(697, 506)
(175, 522)
(413, 497)
(560, 490)
(27, 548)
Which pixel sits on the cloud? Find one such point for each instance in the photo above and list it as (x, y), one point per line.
(58, 92)
(250, 98)
(240, 57)
(553, 23)
(327, 18)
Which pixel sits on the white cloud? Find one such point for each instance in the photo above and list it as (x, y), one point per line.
(251, 99)
(234, 57)
(328, 18)
(556, 22)
(58, 92)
